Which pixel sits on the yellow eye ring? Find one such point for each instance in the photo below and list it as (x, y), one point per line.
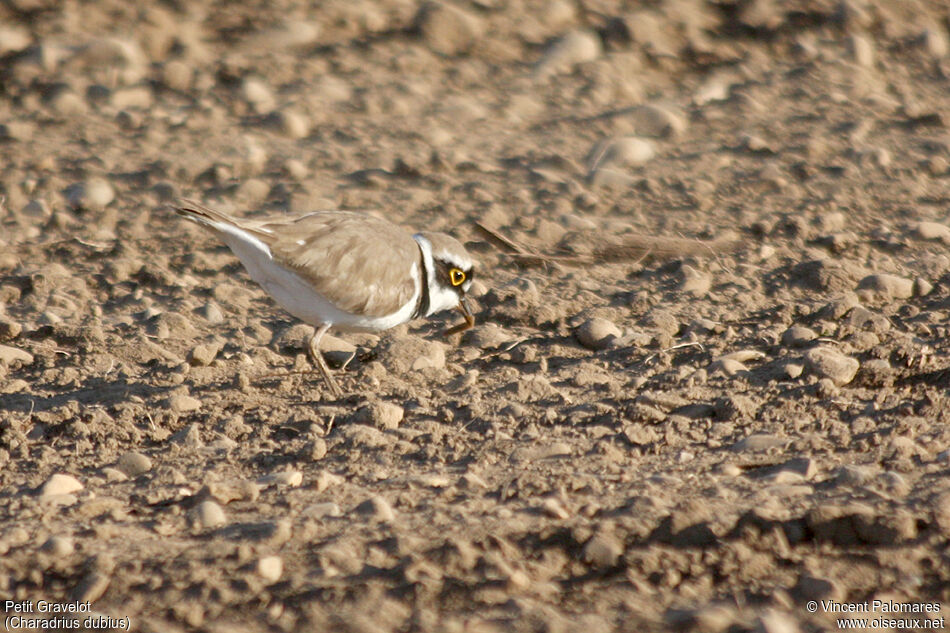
(457, 277)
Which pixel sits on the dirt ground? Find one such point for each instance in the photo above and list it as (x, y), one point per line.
(706, 434)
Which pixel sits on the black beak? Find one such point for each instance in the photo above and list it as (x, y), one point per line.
(469, 322)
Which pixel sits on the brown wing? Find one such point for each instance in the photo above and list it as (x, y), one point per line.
(359, 262)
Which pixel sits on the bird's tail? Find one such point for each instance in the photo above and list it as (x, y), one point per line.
(202, 215)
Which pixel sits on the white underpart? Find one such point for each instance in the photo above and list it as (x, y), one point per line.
(440, 297)
(296, 295)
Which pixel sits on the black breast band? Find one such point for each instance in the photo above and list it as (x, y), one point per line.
(422, 303)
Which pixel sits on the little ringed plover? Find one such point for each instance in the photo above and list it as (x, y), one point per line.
(345, 270)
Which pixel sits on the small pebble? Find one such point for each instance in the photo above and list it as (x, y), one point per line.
(59, 546)
(743, 355)
(320, 510)
(296, 169)
(922, 287)
(293, 124)
(785, 478)
(256, 92)
(183, 404)
(832, 222)
(253, 191)
(382, 415)
(826, 362)
(134, 464)
(231, 490)
(623, 152)
(716, 88)
(894, 483)
(295, 32)
(92, 586)
(270, 568)
(178, 75)
(129, 120)
(325, 480)
(849, 475)
(404, 353)
(695, 282)
(933, 231)
(729, 469)
(211, 312)
(114, 475)
(941, 512)
(937, 166)
(316, 449)
(377, 509)
(68, 103)
(203, 355)
(36, 209)
(94, 194)
(554, 508)
(208, 514)
(597, 334)
(734, 407)
(804, 466)
(727, 366)
(11, 355)
(337, 352)
(759, 442)
(603, 550)
(13, 38)
(840, 306)
(60, 484)
(15, 386)
(364, 435)
(774, 621)
(10, 329)
(570, 50)
(888, 286)
(189, 436)
(17, 130)
(935, 42)
(471, 481)
(470, 378)
(288, 478)
(798, 336)
(447, 29)
(755, 144)
(659, 121)
(862, 50)
(134, 97)
(876, 372)
(489, 336)
(109, 52)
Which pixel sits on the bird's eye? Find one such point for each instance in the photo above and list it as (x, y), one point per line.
(457, 276)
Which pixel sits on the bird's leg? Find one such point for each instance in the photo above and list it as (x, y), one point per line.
(467, 324)
(317, 359)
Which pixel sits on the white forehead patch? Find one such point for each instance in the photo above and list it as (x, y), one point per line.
(447, 249)
(454, 258)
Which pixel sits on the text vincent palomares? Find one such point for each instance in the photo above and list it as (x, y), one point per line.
(879, 606)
